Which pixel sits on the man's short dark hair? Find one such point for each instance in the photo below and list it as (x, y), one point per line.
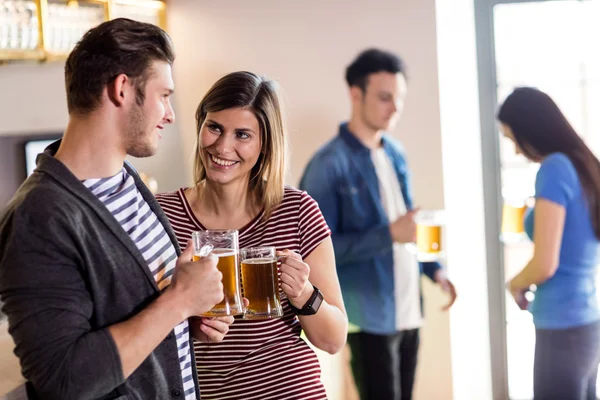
(119, 46)
(372, 61)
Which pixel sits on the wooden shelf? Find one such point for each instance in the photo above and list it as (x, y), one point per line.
(10, 55)
(55, 56)
(43, 54)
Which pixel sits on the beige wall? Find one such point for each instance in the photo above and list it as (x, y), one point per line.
(33, 100)
(306, 46)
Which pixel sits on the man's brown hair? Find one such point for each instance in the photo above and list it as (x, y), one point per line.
(119, 46)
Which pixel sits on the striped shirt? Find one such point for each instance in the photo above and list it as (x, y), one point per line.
(123, 199)
(260, 359)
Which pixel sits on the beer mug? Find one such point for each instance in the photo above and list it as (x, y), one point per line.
(429, 235)
(513, 215)
(223, 244)
(260, 283)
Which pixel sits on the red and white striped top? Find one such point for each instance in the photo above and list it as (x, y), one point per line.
(260, 359)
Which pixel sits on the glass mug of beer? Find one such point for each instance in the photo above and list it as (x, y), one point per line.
(513, 214)
(429, 235)
(224, 244)
(260, 282)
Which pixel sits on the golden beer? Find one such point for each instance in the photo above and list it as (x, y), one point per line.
(429, 235)
(231, 304)
(512, 218)
(260, 281)
(224, 244)
(429, 238)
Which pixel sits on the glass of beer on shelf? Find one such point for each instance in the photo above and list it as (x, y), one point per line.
(223, 244)
(513, 215)
(429, 235)
(260, 282)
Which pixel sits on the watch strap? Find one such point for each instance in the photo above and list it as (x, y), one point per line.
(308, 308)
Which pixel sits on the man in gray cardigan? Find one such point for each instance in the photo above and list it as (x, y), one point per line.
(97, 293)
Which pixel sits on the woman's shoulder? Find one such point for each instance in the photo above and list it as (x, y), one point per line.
(295, 195)
(293, 202)
(557, 159)
(166, 198)
(559, 165)
(290, 191)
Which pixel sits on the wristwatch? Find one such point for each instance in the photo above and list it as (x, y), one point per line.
(312, 305)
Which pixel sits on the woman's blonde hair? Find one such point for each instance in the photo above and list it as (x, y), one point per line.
(260, 96)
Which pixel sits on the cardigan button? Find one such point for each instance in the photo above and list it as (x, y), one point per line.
(176, 393)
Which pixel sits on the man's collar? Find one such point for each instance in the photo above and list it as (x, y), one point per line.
(353, 142)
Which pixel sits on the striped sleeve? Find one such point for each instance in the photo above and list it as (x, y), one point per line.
(311, 225)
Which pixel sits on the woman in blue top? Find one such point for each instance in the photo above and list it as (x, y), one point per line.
(565, 229)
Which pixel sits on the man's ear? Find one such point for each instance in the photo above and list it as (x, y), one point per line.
(356, 93)
(119, 89)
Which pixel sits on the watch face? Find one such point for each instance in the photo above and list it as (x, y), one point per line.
(317, 302)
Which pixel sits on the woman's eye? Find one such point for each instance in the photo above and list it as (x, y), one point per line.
(214, 128)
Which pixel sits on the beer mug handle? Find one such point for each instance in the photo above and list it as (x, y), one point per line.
(204, 250)
(279, 258)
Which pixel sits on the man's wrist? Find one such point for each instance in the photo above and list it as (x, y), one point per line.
(439, 275)
(171, 300)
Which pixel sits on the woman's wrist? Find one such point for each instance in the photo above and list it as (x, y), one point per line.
(301, 300)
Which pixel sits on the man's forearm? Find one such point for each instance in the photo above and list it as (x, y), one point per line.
(137, 337)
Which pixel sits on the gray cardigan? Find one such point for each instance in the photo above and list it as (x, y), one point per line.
(67, 272)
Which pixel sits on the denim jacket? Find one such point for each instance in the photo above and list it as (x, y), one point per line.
(341, 177)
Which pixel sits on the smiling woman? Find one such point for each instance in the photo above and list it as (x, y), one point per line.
(239, 175)
(230, 144)
(241, 117)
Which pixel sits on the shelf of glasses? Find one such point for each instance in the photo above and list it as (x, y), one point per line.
(48, 30)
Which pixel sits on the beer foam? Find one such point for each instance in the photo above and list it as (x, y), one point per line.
(224, 252)
(259, 260)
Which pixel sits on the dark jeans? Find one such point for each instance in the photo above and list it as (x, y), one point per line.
(384, 365)
(566, 363)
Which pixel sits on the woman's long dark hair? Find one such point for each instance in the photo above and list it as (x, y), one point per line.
(540, 129)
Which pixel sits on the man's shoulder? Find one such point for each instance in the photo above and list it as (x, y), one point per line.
(41, 208)
(394, 145)
(334, 145)
(334, 151)
(40, 196)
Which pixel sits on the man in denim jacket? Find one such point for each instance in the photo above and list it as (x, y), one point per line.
(361, 182)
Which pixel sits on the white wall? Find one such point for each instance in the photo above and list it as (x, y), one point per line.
(463, 183)
(306, 47)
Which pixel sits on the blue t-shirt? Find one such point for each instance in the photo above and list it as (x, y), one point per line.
(568, 299)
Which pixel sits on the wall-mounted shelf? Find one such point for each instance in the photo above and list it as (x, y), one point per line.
(47, 30)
